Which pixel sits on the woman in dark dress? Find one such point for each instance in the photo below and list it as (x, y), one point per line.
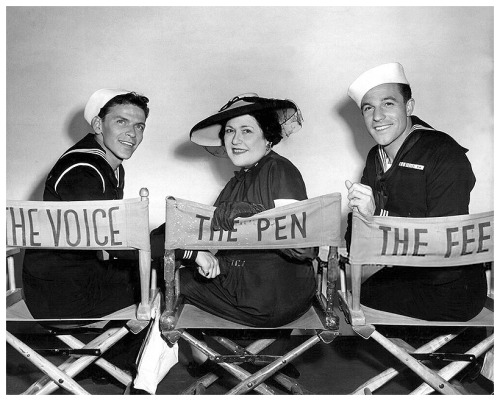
(262, 288)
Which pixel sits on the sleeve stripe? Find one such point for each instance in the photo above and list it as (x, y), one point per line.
(76, 165)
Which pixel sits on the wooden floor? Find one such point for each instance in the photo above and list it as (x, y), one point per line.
(335, 368)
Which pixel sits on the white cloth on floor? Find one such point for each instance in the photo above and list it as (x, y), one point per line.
(156, 357)
(488, 365)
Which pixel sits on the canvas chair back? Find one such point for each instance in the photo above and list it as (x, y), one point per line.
(308, 223)
(419, 242)
(93, 225)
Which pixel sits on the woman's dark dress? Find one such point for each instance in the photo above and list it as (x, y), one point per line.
(256, 287)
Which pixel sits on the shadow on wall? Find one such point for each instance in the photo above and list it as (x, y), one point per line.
(76, 129)
(221, 167)
(361, 139)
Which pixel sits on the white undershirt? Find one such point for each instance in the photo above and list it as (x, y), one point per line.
(386, 162)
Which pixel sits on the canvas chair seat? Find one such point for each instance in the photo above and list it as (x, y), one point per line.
(319, 322)
(485, 318)
(129, 225)
(435, 247)
(193, 317)
(19, 312)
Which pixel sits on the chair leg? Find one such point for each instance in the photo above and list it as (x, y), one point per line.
(74, 365)
(256, 347)
(256, 379)
(204, 381)
(232, 368)
(450, 370)
(61, 378)
(108, 367)
(384, 377)
(429, 376)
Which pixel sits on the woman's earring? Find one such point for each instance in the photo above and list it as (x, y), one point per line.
(268, 146)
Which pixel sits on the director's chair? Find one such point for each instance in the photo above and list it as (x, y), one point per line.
(420, 243)
(93, 225)
(317, 223)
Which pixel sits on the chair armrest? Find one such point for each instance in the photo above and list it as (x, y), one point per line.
(144, 309)
(327, 275)
(332, 319)
(169, 273)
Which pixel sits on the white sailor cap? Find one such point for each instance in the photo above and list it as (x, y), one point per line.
(98, 99)
(383, 74)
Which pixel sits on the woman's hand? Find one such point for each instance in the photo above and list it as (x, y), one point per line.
(227, 212)
(208, 264)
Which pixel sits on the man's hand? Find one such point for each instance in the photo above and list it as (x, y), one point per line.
(360, 197)
(208, 264)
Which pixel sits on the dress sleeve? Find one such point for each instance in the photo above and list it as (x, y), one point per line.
(286, 182)
(81, 183)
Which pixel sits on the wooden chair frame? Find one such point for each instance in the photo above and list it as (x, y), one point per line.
(364, 320)
(175, 309)
(136, 317)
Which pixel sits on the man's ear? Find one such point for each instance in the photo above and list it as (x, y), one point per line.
(410, 104)
(97, 124)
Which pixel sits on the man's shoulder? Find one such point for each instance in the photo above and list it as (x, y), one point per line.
(373, 152)
(434, 139)
(76, 160)
(87, 150)
(82, 158)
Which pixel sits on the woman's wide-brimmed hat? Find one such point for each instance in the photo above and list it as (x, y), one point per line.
(206, 132)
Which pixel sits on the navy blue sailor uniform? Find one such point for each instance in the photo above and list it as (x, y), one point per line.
(430, 176)
(61, 283)
(261, 288)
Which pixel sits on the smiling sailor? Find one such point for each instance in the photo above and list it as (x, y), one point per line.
(413, 171)
(59, 283)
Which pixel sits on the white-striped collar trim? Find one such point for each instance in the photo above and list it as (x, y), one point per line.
(81, 164)
(419, 126)
(97, 152)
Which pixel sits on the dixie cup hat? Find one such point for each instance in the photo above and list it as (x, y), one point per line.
(391, 73)
(98, 99)
(206, 132)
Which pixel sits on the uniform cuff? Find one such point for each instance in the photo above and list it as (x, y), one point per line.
(186, 254)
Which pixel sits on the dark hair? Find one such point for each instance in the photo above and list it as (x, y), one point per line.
(405, 91)
(268, 122)
(127, 98)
